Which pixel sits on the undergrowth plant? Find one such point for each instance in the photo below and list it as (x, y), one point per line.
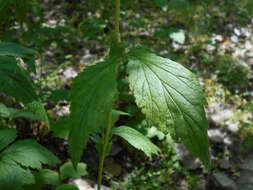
(21, 161)
(168, 94)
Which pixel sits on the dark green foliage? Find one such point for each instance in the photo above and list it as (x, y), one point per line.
(231, 72)
(90, 104)
(16, 159)
(161, 3)
(7, 136)
(67, 187)
(32, 111)
(15, 50)
(29, 153)
(15, 80)
(60, 128)
(43, 178)
(67, 170)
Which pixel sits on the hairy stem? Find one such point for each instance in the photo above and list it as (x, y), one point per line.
(106, 137)
(117, 19)
(103, 153)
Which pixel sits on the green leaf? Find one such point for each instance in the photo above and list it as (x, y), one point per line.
(92, 98)
(154, 132)
(12, 175)
(59, 95)
(136, 139)
(43, 178)
(7, 136)
(67, 170)
(171, 98)
(67, 187)
(115, 116)
(33, 111)
(12, 49)
(46, 177)
(15, 50)
(29, 153)
(60, 128)
(4, 112)
(15, 81)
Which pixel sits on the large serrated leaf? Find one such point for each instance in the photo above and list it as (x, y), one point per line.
(29, 153)
(15, 81)
(136, 139)
(7, 136)
(92, 97)
(171, 98)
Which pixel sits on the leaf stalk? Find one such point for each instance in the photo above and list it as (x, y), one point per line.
(103, 153)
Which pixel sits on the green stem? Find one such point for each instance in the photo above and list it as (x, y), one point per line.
(106, 137)
(102, 154)
(117, 23)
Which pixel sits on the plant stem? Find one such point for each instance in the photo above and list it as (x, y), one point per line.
(102, 154)
(109, 124)
(117, 19)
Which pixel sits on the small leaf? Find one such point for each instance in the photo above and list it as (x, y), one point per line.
(115, 116)
(37, 108)
(171, 98)
(92, 98)
(7, 136)
(67, 170)
(46, 177)
(4, 112)
(29, 153)
(136, 139)
(33, 111)
(67, 187)
(154, 132)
